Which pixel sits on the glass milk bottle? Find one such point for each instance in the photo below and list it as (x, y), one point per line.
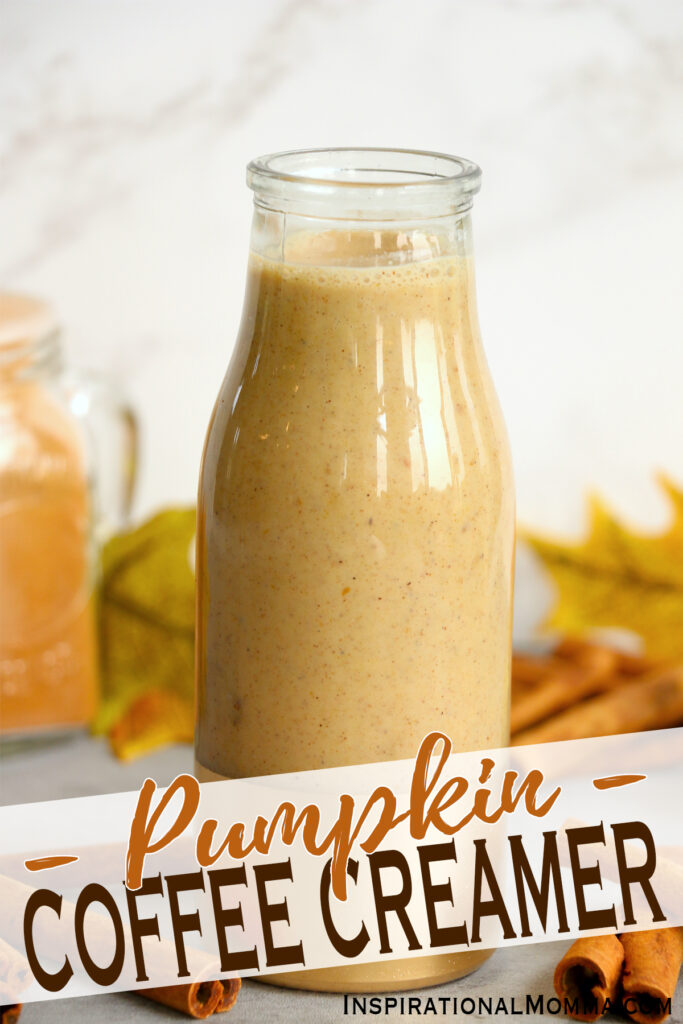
(356, 504)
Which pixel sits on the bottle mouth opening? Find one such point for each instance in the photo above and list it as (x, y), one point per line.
(364, 183)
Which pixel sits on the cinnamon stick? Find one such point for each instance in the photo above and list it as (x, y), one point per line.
(674, 853)
(574, 649)
(48, 929)
(653, 701)
(231, 989)
(588, 975)
(652, 963)
(564, 687)
(10, 1014)
(636, 664)
(669, 869)
(15, 973)
(530, 669)
(198, 1000)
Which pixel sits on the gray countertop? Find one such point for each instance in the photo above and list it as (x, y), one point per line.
(82, 766)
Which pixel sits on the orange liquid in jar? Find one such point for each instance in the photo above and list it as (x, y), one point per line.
(47, 627)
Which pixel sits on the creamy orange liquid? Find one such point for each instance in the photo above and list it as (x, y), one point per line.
(355, 532)
(47, 627)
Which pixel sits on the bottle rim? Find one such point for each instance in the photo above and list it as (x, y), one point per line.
(364, 183)
(29, 335)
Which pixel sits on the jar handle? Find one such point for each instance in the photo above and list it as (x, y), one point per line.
(112, 434)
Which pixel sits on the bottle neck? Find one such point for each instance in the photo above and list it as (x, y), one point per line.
(288, 238)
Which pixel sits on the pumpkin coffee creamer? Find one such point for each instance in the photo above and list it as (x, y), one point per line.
(356, 506)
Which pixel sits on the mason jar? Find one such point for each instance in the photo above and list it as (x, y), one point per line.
(67, 464)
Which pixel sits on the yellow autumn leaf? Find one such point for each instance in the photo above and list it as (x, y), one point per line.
(146, 625)
(620, 578)
(155, 719)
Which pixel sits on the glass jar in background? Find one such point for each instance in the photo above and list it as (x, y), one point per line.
(67, 467)
(355, 525)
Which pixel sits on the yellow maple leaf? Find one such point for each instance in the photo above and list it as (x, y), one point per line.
(146, 620)
(155, 719)
(620, 578)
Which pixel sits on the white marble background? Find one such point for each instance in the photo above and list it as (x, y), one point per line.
(126, 125)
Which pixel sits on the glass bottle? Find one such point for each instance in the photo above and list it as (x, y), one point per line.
(356, 506)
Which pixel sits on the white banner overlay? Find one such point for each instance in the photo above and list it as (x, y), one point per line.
(445, 853)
